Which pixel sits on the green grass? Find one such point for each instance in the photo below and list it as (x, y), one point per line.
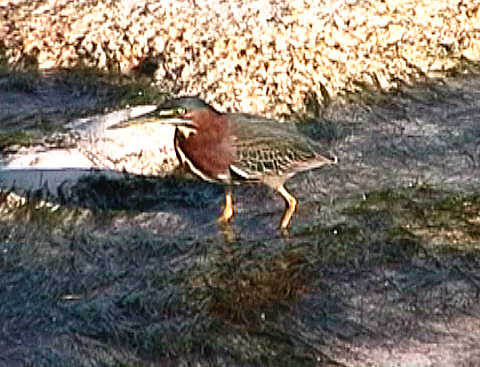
(15, 138)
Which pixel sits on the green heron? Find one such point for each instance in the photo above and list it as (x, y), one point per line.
(240, 148)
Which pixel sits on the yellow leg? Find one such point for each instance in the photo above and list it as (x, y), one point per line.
(227, 212)
(290, 209)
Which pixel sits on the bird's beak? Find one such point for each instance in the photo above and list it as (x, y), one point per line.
(174, 121)
(163, 117)
(174, 117)
(169, 117)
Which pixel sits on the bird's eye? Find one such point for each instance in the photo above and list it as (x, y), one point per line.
(181, 110)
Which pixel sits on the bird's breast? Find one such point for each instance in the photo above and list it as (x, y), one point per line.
(206, 156)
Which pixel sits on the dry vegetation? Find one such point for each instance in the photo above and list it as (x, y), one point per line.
(266, 56)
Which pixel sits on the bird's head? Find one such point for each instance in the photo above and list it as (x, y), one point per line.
(189, 115)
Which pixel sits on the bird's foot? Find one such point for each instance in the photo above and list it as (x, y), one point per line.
(226, 215)
(227, 211)
(289, 210)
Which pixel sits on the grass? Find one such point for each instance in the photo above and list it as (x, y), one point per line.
(62, 95)
(15, 138)
(438, 219)
(171, 300)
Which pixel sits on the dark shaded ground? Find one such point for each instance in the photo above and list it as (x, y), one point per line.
(381, 267)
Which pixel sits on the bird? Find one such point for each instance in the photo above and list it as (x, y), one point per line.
(238, 148)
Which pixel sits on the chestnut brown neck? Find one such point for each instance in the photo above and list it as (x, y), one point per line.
(209, 148)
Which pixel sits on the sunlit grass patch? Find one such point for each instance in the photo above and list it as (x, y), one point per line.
(14, 138)
(23, 218)
(438, 218)
(453, 221)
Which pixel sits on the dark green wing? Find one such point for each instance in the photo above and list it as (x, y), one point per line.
(270, 148)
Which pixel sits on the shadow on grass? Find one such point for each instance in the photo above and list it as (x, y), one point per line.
(78, 294)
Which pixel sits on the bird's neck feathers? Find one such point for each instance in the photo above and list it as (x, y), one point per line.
(212, 126)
